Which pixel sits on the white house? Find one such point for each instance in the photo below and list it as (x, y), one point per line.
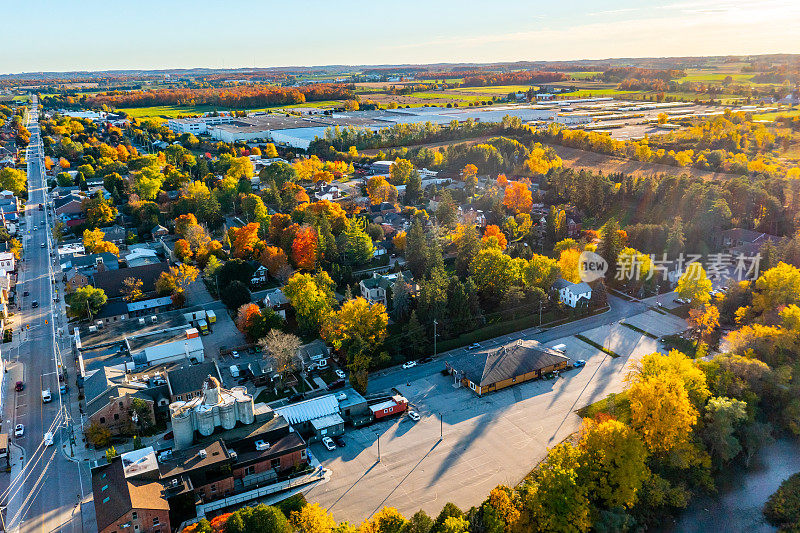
(7, 261)
(571, 293)
(277, 301)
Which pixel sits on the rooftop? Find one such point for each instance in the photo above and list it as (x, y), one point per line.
(488, 366)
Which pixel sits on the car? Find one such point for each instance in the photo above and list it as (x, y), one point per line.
(26, 293)
(34, 304)
(35, 228)
(19, 386)
(339, 440)
(409, 364)
(19, 430)
(48, 439)
(341, 396)
(681, 301)
(413, 415)
(340, 373)
(235, 354)
(338, 384)
(474, 346)
(579, 363)
(44, 244)
(425, 360)
(328, 443)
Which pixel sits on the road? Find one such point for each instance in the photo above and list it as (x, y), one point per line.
(44, 494)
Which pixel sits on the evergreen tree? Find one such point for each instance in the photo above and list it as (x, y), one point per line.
(416, 338)
(675, 238)
(416, 255)
(413, 194)
(610, 246)
(446, 213)
(468, 247)
(359, 248)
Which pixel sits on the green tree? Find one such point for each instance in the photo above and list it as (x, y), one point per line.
(468, 247)
(723, 418)
(359, 248)
(85, 299)
(610, 246)
(416, 255)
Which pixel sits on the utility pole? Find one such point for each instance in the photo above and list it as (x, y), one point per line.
(379, 447)
(441, 426)
(540, 313)
(435, 323)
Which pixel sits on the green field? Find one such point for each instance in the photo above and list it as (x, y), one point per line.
(776, 114)
(713, 76)
(583, 75)
(170, 111)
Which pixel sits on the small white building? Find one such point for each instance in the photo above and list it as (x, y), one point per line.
(571, 294)
(7, 261)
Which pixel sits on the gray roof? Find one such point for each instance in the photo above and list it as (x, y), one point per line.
(489, 366)
(113, 308)
(188, 378)
(149, 304)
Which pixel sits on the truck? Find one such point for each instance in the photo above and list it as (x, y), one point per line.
(195, 315)
(202, 326)
(212, 318)
(46, 396)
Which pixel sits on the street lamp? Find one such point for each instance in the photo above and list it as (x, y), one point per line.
(379, 447)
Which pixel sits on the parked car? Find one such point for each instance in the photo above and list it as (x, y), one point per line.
(338, 384)
(579, 363)
(26, 293)
(413, 415)
(339, 440)
(34, 304)
(19, 430)
(328, 443)
(409, 364)
(341, 396)
(681, 301)
(340, 373)
(235, 354)
(425, 360)
(474, 346)
(48, 439)
(44, 244)
(19, 386)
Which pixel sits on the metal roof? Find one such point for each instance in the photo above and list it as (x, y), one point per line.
(304, 411)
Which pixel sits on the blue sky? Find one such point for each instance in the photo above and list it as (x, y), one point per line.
(94, 35)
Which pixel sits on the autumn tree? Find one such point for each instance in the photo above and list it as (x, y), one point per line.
(661, 412)
(282, 347)
(380, 190)
(493, 236)
(312, 518)
(85, 299)
(518, 198)
(98, 211)
(275, 260)
(93, 243)
(304, 248)
(183, 250)
(311, 297)
(694, 285)
(244, 240)
(704, 321)
(356, 318)
(568, 263)
(132, 289)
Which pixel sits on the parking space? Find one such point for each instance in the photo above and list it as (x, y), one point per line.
(658, 324)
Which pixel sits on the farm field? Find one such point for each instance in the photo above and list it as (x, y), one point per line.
(169, 111)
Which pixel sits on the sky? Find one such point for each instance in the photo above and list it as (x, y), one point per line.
(47, 35)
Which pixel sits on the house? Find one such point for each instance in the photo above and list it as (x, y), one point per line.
(313, 355)
(381, 167)
(90, 263)
(112, 281)
(141, 256)
(315, 418)
(277, 301)
(68, 205)
(7, 261)
(128, 498)
(108, 398)
(159, 231)
(75, 279)
(382, 208)
(185, 381)
(469, 215)
(374, 289)
(6, 282)
(116, 234)
(493, 369)
(573, 294)
(743, 241)
(259, 277)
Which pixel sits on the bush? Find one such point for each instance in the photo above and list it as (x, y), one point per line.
(783, 507)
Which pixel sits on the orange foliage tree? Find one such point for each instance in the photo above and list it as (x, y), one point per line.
(245, 316)
(518, 198)
(245, 239)
(493, 232)
(183, 222)
(275, 260)
(183, 251)
(304, 248)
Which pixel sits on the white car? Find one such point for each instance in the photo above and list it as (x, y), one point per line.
(341, 396)
(328, 443)
(413, 415)
(474, 346)
(340, 374)
(19, 430)
(410, 364)
(48, 439)
(235, 354)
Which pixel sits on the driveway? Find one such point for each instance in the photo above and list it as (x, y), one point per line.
(485, 441)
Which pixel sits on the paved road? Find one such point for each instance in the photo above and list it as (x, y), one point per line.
(45, 496)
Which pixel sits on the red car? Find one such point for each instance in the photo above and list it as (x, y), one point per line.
(19, 386)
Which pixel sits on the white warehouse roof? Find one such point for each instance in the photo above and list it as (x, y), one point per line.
(304, 411)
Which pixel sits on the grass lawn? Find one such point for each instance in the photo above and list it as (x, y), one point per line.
(600, 347)
(583, 75)
(699, 75)
(616, 405)
(496, 89)
(776, 114)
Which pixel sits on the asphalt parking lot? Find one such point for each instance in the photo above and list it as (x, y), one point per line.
(485, 441)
